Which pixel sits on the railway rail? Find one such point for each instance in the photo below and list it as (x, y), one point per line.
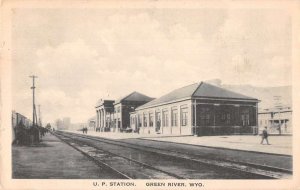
(125, 168)
(163, 164)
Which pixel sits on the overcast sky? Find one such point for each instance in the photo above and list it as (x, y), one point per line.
(82, 55)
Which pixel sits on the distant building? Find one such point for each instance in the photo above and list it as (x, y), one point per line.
(77, 126)
(201, 109)
(277, 120)
(63, 124)
(66, 123)
(92, 123)
(59, 124)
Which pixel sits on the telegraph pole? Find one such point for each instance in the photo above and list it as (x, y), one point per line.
(34, 117)
(40, 117)
(278, 105)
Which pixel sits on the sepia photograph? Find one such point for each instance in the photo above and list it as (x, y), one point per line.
(149, 94)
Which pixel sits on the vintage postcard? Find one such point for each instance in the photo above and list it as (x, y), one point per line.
(149, 94)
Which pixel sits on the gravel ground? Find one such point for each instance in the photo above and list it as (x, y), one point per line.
(53, 159)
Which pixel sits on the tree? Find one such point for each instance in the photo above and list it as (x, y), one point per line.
(48, 126)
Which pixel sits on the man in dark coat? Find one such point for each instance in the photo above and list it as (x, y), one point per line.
(264, 136)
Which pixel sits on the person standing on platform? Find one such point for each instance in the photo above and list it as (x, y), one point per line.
(265, 136)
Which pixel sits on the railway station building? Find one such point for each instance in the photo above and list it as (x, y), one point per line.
(114, 115)
(197, 109)
(104, 115)
(124, 106)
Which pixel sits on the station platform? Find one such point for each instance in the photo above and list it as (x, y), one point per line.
(278, 144)
(53, 159)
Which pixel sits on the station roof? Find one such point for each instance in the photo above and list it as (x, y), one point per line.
(134, 96)
(197, 90)
(103, 101)
(209, 90)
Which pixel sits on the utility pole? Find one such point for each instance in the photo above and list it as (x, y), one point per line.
(40, 117)
(278, 105)
(34, 117)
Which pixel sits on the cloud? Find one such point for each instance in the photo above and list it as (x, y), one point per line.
(251, 48)
(112, 55)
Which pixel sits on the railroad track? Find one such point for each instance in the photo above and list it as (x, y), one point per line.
(247, 163)
(249, 170)
(112, 161)
(283, 173)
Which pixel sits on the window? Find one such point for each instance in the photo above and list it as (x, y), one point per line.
(223, 117)
(132, 120)
(151, 120)
(158, 123)
(158, 116)
(158, 119)
(139, 121)
(165, 121)
(118, 109)
(245, 116)
(119, 123)
(228, 118)
(174, 117)
(145, 120)
(184, 116)
(205, 116)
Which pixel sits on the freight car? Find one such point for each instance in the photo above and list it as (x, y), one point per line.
(19, 120)
(23, 131)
